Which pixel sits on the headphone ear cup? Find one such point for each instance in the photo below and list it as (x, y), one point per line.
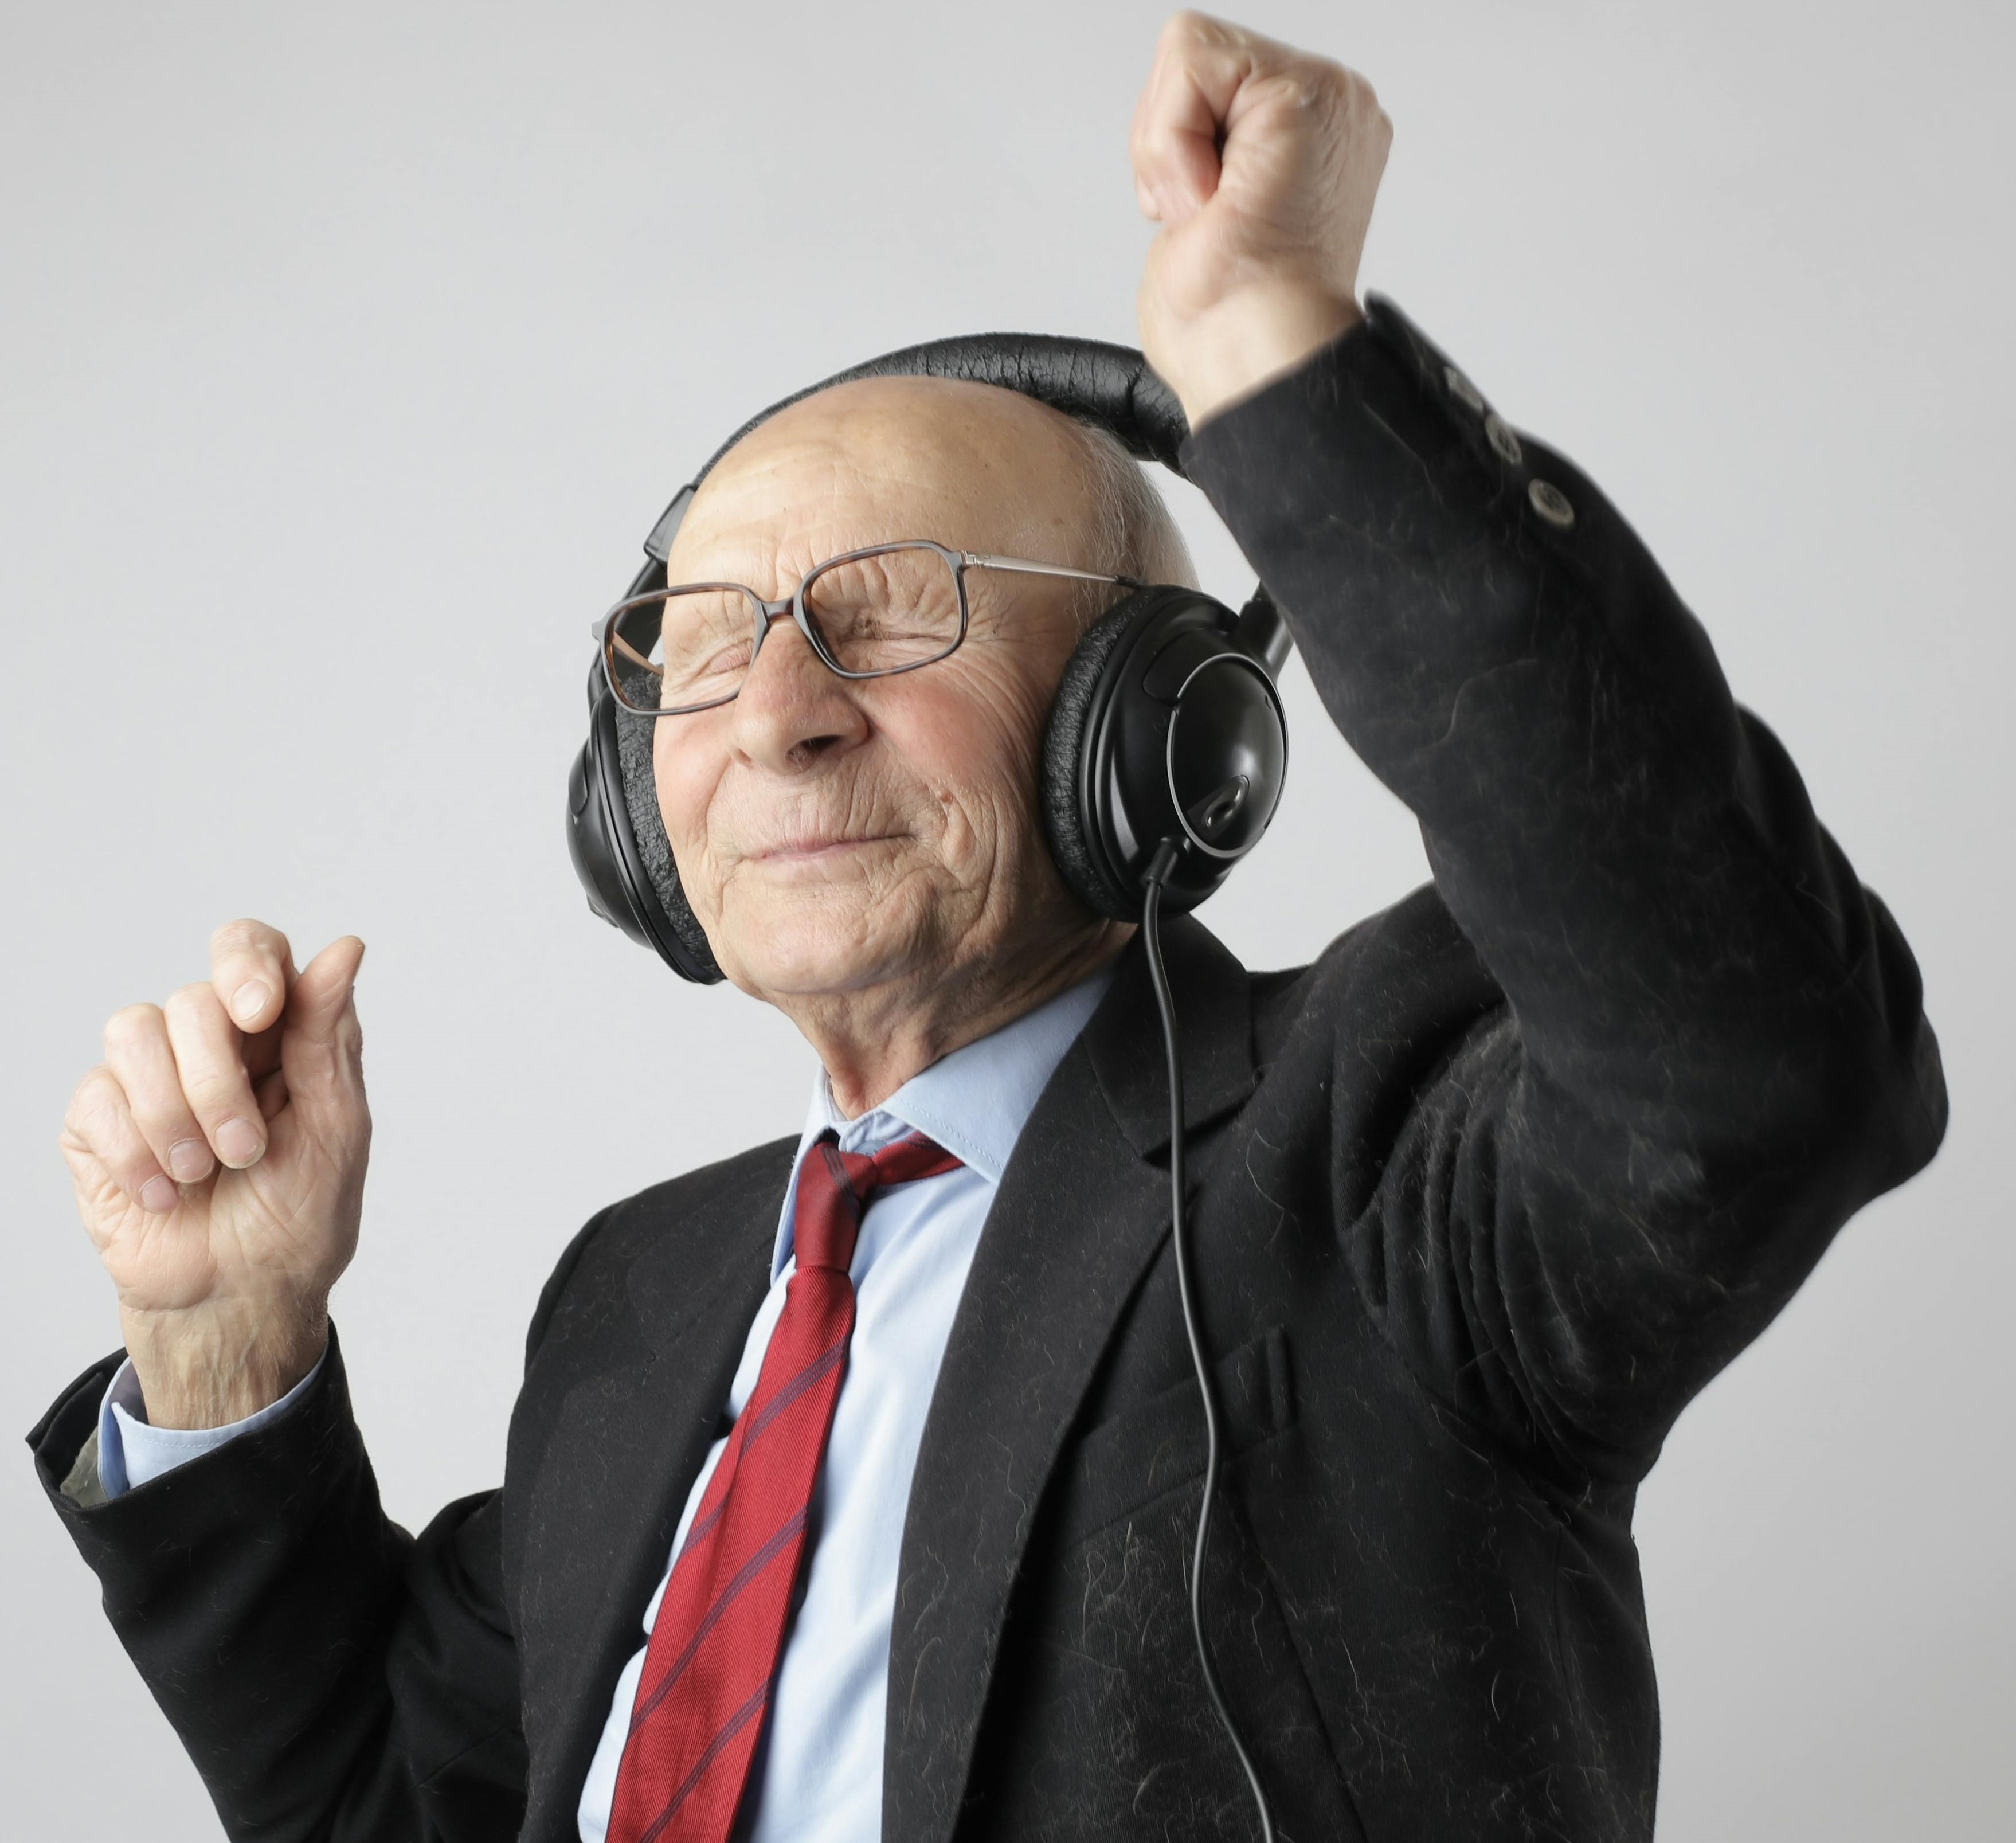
(681, 941)
(1067, 820)
(615, 868)
(1162, 728)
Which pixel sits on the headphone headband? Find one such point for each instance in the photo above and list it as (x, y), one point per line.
(1113, 387)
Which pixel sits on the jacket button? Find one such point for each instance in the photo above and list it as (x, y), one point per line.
(1502, 439)
(1461, 389)
(1551, 503)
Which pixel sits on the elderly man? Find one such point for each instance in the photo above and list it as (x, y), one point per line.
(851, 1488)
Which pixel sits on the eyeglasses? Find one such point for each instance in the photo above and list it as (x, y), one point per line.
(868, 613)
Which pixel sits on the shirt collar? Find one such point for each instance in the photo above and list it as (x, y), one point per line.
(975, 1102)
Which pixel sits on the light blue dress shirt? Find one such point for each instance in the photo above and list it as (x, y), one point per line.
(818, 1773)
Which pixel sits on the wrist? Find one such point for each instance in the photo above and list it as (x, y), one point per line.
(211, 1367)
(1245, 340)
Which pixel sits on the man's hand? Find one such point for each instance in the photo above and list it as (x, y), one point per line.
(218, 1156)
(1261, 164)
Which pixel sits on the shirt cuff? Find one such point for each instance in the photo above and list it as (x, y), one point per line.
(131, 1453)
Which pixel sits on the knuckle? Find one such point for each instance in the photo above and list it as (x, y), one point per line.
(88, 1100)
(214, 1092)
(244, 936)
(101, 1129)
(132, 1025)
(189, 1004)
(1321, 81)
(1189, 32)
(160, 1114)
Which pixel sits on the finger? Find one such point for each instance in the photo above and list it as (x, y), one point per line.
(251, 966)
(210, 1059)
(1174, 140)
(322, 1047)
(100, 1140)
(139, 1058)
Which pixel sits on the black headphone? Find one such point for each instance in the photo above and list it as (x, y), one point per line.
(1167, 730)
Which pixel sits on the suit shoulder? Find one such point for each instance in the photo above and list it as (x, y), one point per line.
(601, 1251)
(726, 1179)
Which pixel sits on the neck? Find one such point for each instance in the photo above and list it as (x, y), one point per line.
(873, 1041)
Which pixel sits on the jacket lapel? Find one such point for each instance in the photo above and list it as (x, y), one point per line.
(626, 1446)
(1080, 1214)
(1214, 1023)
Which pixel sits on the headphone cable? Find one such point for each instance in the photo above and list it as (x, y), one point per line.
(1163, 862)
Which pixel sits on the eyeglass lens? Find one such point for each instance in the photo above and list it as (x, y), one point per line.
(885, 612)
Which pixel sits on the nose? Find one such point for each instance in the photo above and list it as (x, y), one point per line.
(791, 710)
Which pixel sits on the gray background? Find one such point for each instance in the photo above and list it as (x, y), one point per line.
(346, 354)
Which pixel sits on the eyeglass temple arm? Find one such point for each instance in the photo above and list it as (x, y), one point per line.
(1260, 633)
(1023, 566)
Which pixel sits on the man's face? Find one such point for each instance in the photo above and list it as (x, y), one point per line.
(835, 836)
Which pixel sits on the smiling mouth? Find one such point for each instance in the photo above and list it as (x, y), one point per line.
(812, 850)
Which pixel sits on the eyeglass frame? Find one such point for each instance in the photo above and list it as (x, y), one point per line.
(768, 613)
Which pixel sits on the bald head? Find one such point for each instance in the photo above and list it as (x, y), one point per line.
(1007, 470)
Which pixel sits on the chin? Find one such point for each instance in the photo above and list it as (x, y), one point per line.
(826, 945)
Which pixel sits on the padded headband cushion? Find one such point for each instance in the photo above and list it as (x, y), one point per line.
(1109, 386)
(647, 826)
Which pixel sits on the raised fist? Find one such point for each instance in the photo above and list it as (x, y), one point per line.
(1261, 164)
(218, 1154)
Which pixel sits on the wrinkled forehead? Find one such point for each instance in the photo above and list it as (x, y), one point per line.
(972, 466)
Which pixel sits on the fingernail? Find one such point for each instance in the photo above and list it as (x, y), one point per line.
(251, 1000)
(189, 1160)
(238, 1143)
(159, 1195)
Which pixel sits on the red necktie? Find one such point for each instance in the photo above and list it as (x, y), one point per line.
(720, 1630)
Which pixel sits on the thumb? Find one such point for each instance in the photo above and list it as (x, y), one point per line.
(321, 1046)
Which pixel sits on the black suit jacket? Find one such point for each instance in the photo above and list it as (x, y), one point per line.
(1482, 1199)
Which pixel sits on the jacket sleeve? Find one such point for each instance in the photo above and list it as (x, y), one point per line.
(332, 1677)
(1712, 1050)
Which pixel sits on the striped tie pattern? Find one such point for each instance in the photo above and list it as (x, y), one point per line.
(719, 1634)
